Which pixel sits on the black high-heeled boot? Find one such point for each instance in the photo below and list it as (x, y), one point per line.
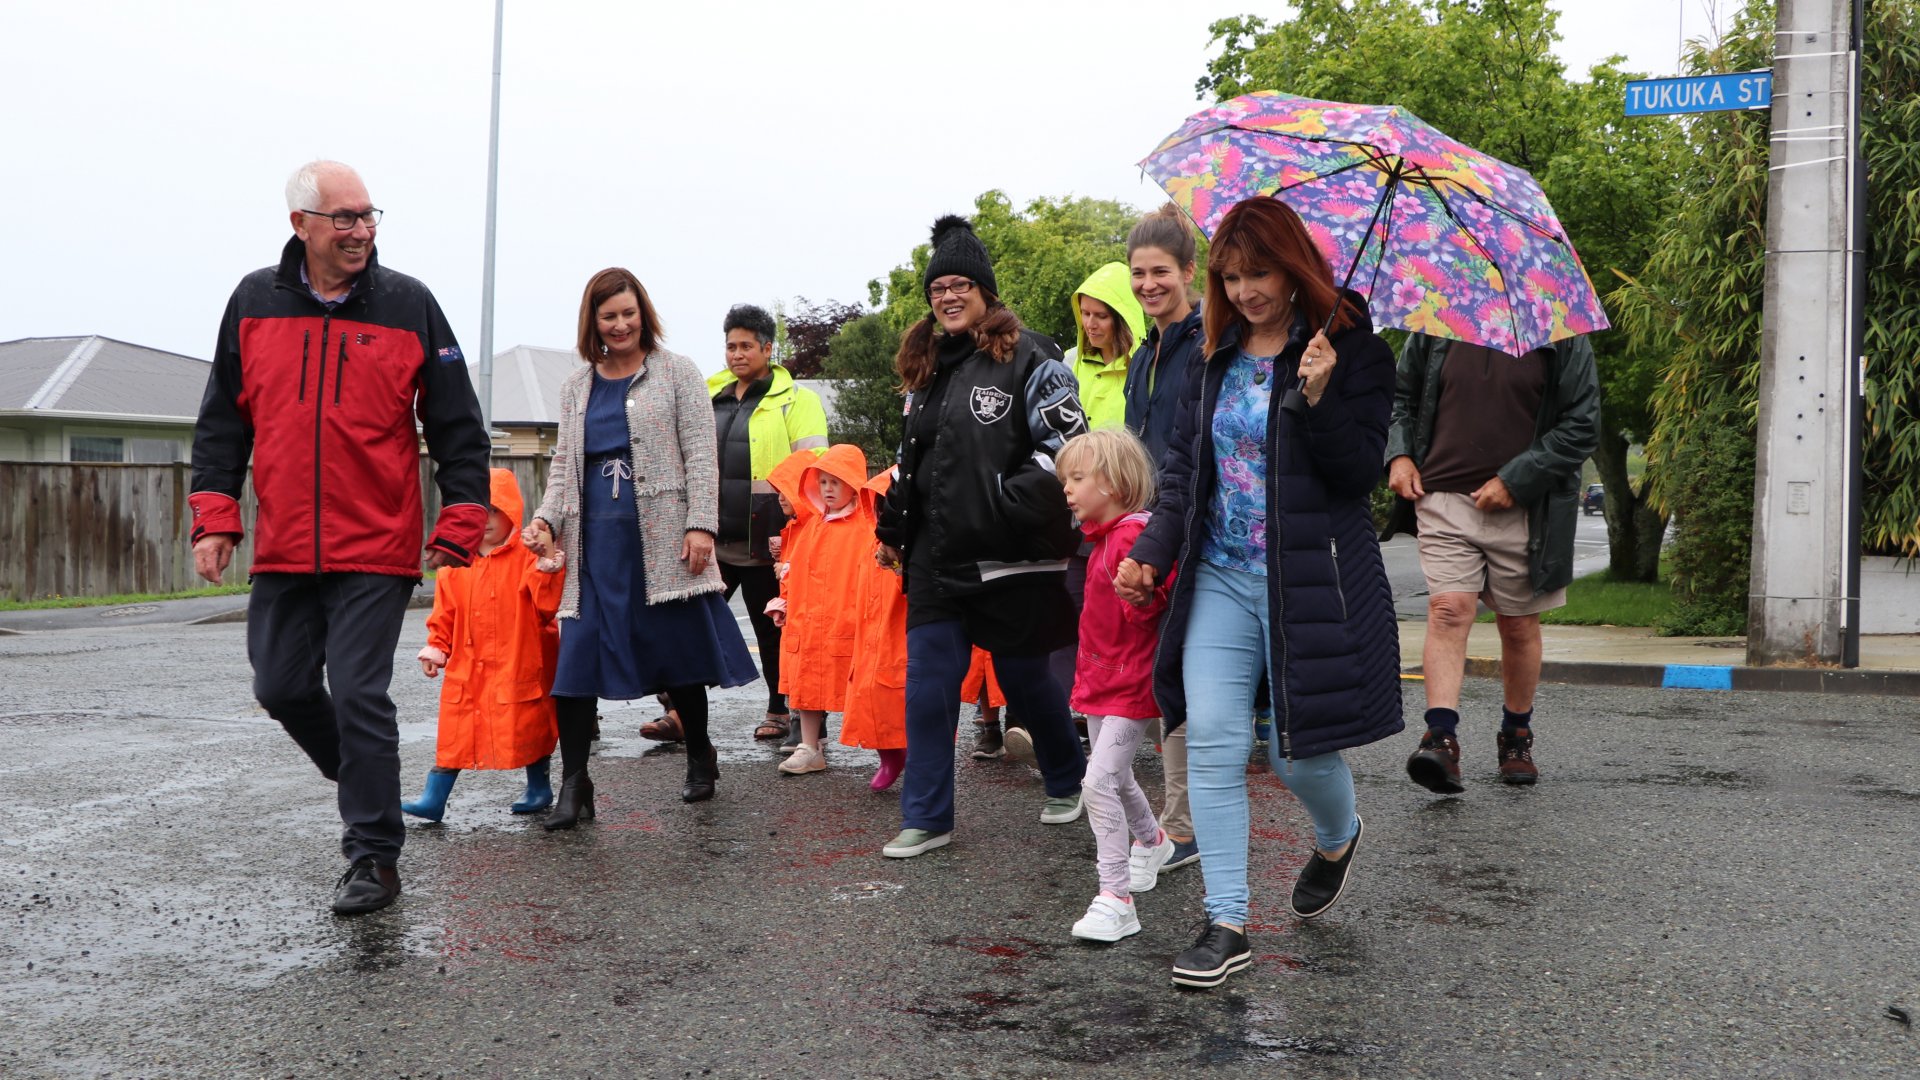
(702, 771)
(574, 802)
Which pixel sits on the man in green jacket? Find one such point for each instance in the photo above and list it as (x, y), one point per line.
(1485, 448)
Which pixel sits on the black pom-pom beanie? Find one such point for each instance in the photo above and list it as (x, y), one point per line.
(956, 250)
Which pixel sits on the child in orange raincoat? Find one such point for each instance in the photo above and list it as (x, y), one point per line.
(816, 622)
(785, 481)
(492, 631)
(876, 713)
(981, 689)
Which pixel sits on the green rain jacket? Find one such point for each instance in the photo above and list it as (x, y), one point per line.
(1545, 478)
(1103, 386)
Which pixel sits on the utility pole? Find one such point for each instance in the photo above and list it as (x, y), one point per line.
(1803, 605)
(493, 185)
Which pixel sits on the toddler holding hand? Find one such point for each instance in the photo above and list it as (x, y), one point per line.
(1108, 479)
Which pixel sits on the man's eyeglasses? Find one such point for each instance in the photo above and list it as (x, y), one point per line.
(347, 219)
(958, 288)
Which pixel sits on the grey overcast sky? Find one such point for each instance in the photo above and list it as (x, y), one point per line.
(724, 152)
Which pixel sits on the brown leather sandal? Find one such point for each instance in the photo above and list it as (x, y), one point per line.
(773, 728)
(664, 729)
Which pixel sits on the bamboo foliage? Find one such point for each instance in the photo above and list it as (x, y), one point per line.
(1890, 142)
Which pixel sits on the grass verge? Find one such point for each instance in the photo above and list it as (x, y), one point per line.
(1599, 600)
(117, 600)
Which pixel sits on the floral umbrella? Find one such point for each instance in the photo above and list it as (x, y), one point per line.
(1439, 237)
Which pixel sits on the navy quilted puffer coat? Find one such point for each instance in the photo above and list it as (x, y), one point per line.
(1336, 647)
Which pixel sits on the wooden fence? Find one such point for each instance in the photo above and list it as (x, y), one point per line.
(107, 529)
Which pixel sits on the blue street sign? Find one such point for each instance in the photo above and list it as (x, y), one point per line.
(1700, 93)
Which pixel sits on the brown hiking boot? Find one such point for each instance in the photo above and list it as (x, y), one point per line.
(1516, 757)
(1436, 765)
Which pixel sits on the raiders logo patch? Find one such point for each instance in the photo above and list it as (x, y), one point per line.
(990, 403)
(1066, 417)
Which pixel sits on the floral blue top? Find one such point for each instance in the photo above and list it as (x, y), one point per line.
(1237, 520)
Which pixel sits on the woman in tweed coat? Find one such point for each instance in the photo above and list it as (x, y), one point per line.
(633, 498)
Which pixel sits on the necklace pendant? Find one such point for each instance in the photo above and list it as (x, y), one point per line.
(1259, 378)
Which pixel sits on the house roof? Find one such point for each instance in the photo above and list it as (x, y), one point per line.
(99, 376)
(527, 378)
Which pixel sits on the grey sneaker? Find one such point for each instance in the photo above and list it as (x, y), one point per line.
(1019, 746)
(913, 842)
(1060, 810)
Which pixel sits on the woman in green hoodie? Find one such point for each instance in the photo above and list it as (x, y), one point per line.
(1110, 324)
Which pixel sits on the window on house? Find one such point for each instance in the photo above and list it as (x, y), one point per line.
(154, 451)
(96, 448)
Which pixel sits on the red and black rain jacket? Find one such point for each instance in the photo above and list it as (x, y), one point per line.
(324, 403)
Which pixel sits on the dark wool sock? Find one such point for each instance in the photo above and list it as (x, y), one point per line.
(1511, 721)
(1443, 720)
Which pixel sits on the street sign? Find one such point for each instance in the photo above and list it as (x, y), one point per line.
(1700, 93)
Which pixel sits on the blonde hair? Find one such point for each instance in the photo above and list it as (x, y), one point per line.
(1118, 458)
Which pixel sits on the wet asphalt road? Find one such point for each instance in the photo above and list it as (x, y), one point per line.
(1702, 885)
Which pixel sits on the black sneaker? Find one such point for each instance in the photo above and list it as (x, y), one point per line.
(1322, 880)
(1436, 765)
(986, 742)
(365, 887)
(1220, 952)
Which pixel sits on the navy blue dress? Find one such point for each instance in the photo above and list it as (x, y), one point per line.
(622, 647)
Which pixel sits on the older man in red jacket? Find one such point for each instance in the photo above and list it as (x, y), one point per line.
(322, 364)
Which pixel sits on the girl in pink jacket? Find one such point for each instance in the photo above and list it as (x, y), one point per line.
(1109, 478)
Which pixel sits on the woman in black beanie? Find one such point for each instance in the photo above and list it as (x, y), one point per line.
(978, 525)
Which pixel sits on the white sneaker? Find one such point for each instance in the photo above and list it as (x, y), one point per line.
(1144, 863)
(804, 759)
(1107, 919)
(1019, 746)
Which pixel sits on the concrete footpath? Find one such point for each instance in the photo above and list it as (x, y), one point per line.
(1636, 656)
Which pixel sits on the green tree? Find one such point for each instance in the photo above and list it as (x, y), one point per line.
(867, 403)
(1484, 72)
(1041, 253)
(1890, 142)
(1698, 303)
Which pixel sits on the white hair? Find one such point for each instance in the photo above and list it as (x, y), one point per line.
(303, 187)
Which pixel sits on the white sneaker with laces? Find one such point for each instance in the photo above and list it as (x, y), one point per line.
(1144, 863)
(1107, 919)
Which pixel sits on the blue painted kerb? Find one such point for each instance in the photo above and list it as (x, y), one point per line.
(1698, 677)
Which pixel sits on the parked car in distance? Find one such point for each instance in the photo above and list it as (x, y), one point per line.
(1595, 500)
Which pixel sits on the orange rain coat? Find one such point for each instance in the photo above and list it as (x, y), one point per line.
(495, 621)
(876, 714)
(981, 679)
(823, 575)
(785, 479)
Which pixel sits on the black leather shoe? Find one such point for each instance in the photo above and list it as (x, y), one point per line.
(1220, 952)
(574, 802)
(366, 886)
(1322, 880)
(702, 771)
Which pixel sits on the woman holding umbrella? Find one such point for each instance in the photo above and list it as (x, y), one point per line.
(1264, 506)
(634, 496)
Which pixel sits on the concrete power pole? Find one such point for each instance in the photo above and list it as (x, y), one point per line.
(485, 380)
(1803, 604)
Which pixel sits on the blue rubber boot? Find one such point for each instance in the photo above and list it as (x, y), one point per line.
(539, 793)
(432, 803)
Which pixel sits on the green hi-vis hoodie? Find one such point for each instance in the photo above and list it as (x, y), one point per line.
(1103, 385)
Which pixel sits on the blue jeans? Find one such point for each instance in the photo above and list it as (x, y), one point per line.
(1224, 655)
(937, 657)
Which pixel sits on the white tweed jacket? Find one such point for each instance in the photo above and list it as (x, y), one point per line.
(676, 474)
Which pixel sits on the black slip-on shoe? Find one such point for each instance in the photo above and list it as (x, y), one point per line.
(1322, 880)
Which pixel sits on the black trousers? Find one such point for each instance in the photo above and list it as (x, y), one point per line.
(322, 649)
(759, 585)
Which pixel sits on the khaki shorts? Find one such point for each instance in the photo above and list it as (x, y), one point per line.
(1466, 549)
